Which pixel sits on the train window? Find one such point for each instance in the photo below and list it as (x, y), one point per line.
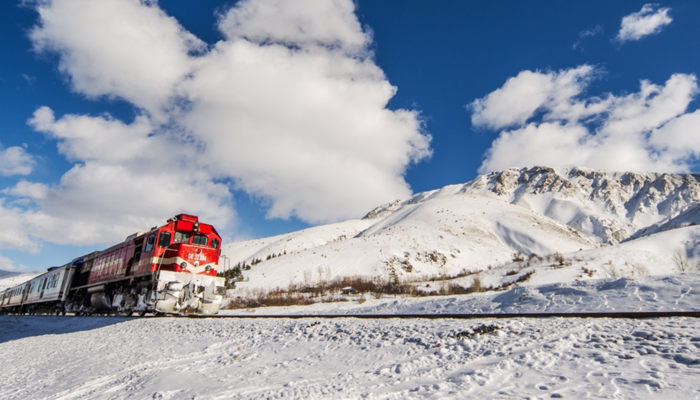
(149, 242)
(200, 240)
(164, 239)
(182, 237)
(215, 243)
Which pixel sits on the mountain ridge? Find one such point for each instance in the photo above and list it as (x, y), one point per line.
(613, 206)
(482, 225)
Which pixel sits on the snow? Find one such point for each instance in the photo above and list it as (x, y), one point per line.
(445, 234)
(10, 279)
(96, 358)
(678, 292)
(606, 224)
(614, 235)
(46, 357)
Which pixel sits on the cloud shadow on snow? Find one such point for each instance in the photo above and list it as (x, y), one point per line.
(15, 327)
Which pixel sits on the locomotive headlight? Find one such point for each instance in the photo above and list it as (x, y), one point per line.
(196, 264)
(208, 268)
(183, 265)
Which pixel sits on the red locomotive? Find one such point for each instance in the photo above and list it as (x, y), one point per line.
(169, 269)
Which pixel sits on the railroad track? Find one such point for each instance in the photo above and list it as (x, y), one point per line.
(618, 315)
(642, 314)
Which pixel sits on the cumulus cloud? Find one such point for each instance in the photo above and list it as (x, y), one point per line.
(649, 130)
(15, 161)
(7, 264)
(290, 108)
(306, 126)
(125, 177)
(29, 190)
(117, 48)
(648, 21)
(523, 95)
(296, 23)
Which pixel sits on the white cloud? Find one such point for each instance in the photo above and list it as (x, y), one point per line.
(648, 21)
(522, 96)
(290, 107)
(15, 161)
(678, 139)
(117, 48)
(649, 130)
(306, 128)
(30, 190)
(7, 264)
(125, 177)
(296, 23)
(16, 232)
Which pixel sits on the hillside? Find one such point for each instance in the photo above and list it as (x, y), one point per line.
(10, 279)
(606, 224)
(609, 206)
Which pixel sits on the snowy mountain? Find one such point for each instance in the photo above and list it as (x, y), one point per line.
(601, 221)
(610, 206)
(10, 279)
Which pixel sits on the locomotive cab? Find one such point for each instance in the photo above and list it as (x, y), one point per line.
(183, 245)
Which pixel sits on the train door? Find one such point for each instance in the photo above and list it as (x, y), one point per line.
(136, 259)
(149, 249)
(43, 287)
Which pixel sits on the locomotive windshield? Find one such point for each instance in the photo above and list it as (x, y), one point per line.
(182, 237)
(200, 240)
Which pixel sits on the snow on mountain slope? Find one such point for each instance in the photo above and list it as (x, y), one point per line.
(482, 223)
(293, 242)
(10, 279)
(611, 206)
(689, 217)
(652, 254)
(447, 233)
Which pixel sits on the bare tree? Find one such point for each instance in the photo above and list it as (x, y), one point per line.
(477, 285)
(680, 259)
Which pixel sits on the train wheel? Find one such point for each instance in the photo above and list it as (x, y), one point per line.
(142, 313)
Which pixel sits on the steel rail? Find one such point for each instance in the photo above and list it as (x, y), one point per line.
(614, 315)
(611, 315)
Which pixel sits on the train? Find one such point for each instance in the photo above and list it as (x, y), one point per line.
(170, 269)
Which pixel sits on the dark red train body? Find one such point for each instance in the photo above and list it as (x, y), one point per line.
(169, 269)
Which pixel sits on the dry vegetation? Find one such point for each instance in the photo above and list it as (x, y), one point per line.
(681, 261)
(328, 290)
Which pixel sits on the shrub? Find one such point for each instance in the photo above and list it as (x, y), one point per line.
(477, 285)
(611, 270)
(518, 257)
(680, 259)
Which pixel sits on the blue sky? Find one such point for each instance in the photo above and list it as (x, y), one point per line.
(264, 128)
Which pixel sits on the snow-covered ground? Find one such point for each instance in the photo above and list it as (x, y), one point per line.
(313, 358)
(680, 292)
(177, 358)
(588, 241)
